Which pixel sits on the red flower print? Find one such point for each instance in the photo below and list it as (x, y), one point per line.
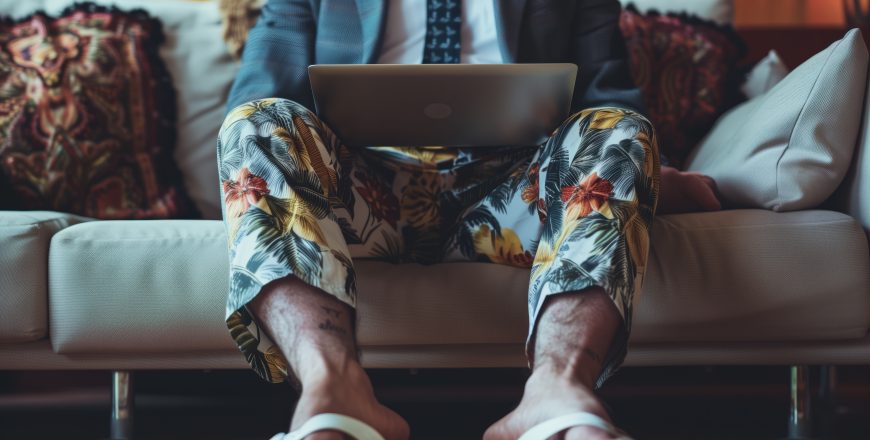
(246, 190)
(530, 193)
(592, 193)
(383, 204)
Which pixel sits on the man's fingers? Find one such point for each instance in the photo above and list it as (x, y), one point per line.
(709, 181)
(702, 191)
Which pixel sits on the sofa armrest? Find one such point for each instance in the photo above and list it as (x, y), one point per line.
(24, 247)
(853, 195)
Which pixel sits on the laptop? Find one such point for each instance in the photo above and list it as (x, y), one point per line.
(462, 105)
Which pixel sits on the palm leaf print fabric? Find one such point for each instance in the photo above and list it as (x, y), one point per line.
(575, 211)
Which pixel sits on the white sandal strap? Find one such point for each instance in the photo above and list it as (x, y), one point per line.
(336, 422)
(547, 429)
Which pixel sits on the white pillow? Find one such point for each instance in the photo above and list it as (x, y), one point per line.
(764, 75)
(202, 71)
(720, 11)
(789, 148)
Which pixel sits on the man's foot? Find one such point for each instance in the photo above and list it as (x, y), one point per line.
(349, 394)
(315, 333)
(547, 396)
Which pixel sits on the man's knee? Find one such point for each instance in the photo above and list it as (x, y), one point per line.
(244, 111)
(604, 118)
(595, 128)
(286, 108)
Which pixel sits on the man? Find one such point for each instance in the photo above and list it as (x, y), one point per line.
(300, 206)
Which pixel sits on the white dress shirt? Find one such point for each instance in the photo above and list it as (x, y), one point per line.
(405, 33)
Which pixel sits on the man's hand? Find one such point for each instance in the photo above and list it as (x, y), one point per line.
(686, 192)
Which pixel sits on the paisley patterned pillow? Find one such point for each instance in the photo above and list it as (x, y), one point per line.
(87, 116)
(687, 69)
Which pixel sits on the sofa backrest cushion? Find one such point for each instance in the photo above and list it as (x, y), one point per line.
(790, 148)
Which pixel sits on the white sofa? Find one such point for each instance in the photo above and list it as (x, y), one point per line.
(740, 287)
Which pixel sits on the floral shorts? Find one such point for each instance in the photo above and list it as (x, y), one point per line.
(576, 211)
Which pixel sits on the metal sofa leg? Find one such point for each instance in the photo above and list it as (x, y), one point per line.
(800, 424)
(827, 381)
(122, 406)
(826, 409)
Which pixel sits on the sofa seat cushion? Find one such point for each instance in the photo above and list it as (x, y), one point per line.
(751, 275)
(24, 241)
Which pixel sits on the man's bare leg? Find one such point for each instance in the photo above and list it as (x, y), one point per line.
(315, 333)
(574, 333)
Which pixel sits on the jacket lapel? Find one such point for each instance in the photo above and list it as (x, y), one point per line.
(508, 18)
(371, 16)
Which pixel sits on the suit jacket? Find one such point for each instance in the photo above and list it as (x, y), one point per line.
(290, 35)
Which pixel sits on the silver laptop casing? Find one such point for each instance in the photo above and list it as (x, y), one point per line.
(442, 104)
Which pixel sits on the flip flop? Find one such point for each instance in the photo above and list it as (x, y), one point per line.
(334, 422)
(547, 429)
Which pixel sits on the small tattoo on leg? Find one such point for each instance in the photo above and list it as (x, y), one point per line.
(329, 326)
(331, 312)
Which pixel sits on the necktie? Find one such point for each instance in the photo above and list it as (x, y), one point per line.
(443, 22)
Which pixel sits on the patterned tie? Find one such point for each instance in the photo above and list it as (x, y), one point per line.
(443, 22)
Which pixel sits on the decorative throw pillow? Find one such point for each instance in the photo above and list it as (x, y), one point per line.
(238, 17)
(87, 117)
(720, 11)
(687, 71)
(790, 148)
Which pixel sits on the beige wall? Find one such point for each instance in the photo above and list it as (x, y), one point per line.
(823, 13)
